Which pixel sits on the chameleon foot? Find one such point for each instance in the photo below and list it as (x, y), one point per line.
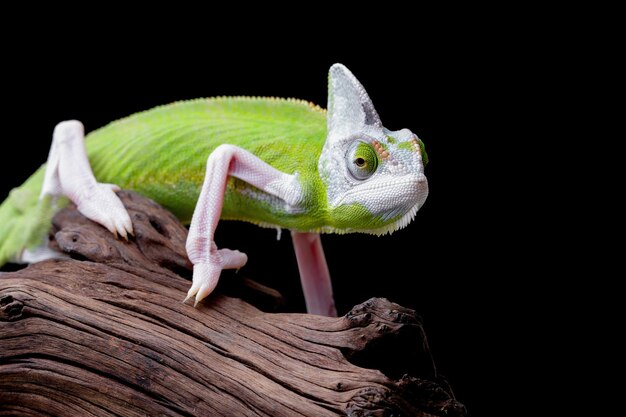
(102, 205)
(207, 274)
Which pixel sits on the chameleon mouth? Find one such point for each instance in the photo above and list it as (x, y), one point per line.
(406, 190)
(392, 204)
(404, 213)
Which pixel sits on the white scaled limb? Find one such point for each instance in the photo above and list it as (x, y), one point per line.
(68, 173)
(228, 160)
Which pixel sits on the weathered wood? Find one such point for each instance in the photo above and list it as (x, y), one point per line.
(106, 333)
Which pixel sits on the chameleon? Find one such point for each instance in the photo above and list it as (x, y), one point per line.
(278, 163)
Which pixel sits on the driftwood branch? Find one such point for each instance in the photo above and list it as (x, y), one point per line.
(106, 333)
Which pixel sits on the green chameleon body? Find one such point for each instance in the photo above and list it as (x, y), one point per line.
(161, 153)
(313, 172)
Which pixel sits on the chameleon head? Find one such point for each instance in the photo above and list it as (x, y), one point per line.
(374, 177)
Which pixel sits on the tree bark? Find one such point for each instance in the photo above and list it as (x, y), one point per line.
(105, 333)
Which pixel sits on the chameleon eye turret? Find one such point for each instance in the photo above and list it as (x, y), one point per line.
(362, 160)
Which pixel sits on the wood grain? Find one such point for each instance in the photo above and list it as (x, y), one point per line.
(105, 333)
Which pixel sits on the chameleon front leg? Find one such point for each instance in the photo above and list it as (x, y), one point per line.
(228, 160)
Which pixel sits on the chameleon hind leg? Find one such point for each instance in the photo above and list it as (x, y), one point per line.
(69, 174)
(314, 275)
(228, 160)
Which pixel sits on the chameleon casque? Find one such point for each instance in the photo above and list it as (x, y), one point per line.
(279, 163)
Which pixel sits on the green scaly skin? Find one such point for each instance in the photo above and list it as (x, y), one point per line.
(162, 153)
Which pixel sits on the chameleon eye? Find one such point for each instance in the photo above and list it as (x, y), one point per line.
(362, 160)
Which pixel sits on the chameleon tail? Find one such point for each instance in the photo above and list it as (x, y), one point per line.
(24, 219)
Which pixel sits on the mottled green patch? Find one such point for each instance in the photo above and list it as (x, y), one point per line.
(391, 139)
(407, 146)
(355, 216)
(423, 150)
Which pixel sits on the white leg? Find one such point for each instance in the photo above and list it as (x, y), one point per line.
(225, 161)
(314, 275)
(68, 173)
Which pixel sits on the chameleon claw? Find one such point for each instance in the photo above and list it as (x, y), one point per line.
(190, 294)
(126, 225)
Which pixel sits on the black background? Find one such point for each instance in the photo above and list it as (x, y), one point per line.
(458, 264)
